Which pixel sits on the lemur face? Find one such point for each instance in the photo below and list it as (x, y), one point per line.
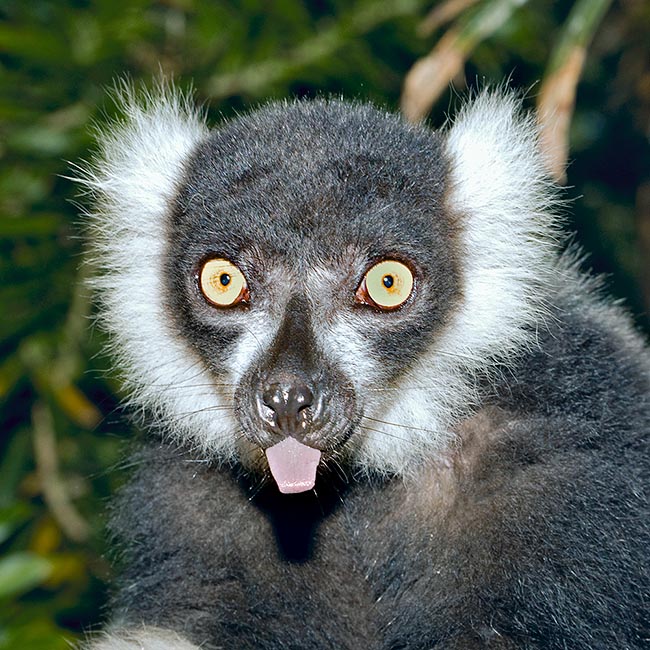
(317, 281)
(309, 273)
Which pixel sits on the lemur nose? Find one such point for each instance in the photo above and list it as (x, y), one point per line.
(290, 401)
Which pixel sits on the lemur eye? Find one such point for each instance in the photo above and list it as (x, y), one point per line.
(386, 285)
(222, 283)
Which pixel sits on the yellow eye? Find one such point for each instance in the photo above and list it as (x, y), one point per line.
(222, 283)
(386, 285)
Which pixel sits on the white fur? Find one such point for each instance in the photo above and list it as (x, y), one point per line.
(133, 180)
(506, 201)
(144, 639)
(501, 192)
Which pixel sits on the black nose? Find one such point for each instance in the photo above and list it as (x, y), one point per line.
(289, 399)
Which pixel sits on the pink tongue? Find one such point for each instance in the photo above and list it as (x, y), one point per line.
(293, 465)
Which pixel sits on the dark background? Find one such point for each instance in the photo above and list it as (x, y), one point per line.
(63, 442)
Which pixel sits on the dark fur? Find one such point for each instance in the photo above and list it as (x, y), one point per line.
(532, 533)
(316, 184)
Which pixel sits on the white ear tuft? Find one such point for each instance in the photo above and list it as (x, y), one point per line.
(141, 154)
(133, 181)
(506, 203)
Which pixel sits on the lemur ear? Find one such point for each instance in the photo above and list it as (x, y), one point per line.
(498, 171)
(132, 181)
(141, 153)
(504, 200)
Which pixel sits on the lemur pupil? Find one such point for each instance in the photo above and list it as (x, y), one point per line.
(388, 281)
(224, 278)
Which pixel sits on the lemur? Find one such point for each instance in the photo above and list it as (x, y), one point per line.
(382, 409)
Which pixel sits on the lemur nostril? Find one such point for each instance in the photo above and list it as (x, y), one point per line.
(288, 401)
(300, 397)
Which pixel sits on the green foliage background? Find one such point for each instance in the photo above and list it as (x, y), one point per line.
(62, 438)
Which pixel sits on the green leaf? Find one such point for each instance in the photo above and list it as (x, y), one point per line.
(13, 465)
(20, 572)
(34, 635)
(32, 43)
(32, 225)
(11, 518)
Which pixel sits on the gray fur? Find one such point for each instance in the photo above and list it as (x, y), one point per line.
(485, 445)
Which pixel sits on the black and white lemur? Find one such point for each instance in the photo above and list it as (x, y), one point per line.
(383, 411)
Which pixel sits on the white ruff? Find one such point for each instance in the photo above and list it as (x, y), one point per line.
(133, 181)
(497, 188)
(501, 192)
(143, 639)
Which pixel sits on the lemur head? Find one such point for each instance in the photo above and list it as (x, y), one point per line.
(317, 281)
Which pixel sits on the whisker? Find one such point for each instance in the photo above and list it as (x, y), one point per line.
(250, 331)
(216, 408)
(457, 355)
(390, 435)
(392, 389)
(179, 385)
(261, 484)
(401, 426)
(338, 468)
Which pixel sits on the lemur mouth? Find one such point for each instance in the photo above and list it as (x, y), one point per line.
(293, 465)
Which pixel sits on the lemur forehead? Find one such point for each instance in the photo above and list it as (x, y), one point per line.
(305, 131)
(303, 180)
(322, 154)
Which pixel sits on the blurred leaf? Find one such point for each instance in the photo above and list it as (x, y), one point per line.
(11, 518)
(13, 464)
(40, 140)
(429, 77)
(20, 572)
(258, 76)
(20, 185)
(46, 539)
(11, 370)
(443, 12)
(33, 635)
(66, 568)
(79, 408)
(557, 95)
(32, 43)
(34, 225)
